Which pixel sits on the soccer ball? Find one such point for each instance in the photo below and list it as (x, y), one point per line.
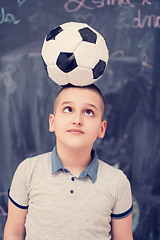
(74, 53)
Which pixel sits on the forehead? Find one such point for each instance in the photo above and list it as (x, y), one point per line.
(79, 95)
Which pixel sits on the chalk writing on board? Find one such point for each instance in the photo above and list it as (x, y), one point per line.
(70, 7)
(87, 18)
(6, 75)
(7, 17)
(148, 20)
(2, 211)
(113, 2)
(75, 5)
(138, 21)
(146, 2)
(20, 2)
(144, 61)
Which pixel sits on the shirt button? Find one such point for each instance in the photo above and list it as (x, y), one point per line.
(71, 191)
(72, 179)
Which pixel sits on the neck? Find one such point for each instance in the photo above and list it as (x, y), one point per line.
(75, 160)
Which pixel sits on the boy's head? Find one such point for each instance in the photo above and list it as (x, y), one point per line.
(77, 118)
(91, 87)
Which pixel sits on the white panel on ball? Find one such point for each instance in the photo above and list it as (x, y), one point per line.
(50, 52)
(80, 76)
(73, 26)
(68, 41)
(90, 58)
(57, 75)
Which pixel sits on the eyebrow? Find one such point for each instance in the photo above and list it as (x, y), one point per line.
(87, 104)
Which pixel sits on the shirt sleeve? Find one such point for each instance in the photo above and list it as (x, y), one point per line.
(18, 190)
(123, 203)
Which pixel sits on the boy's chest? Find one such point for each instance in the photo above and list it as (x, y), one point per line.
(64, 195)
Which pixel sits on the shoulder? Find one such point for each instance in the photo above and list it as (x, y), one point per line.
(34, 168)
(33, 161)
(29, 172)
(105, 168)
(34, 164)
(108, 173)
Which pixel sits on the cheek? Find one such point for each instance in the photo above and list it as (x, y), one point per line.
(94, 127)
(60, 122)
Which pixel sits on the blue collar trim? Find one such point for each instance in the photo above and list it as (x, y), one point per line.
(91, 170)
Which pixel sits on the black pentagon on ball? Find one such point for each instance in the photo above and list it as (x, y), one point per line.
(66, 62)
(53, 33)
(88, 35)
(99, 69)
(45, 66)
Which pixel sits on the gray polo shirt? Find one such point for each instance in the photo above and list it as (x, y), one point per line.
(63, 206)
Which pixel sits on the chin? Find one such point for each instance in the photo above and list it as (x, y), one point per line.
(76, 145)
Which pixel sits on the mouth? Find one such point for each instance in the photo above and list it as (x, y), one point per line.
(75, 131)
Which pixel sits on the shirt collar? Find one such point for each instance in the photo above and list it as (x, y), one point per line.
(91, 170)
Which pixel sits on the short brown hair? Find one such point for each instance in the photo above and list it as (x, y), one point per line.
(90, 87)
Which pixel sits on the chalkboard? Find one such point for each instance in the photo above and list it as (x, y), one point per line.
(131, 87)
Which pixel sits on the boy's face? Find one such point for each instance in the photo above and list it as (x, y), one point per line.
(77, 119)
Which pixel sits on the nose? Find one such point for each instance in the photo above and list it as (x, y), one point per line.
(77, 120)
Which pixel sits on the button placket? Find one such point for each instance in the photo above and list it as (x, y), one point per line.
(72, 190)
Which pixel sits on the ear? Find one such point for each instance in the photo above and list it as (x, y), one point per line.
(102, 129)
(51, 123)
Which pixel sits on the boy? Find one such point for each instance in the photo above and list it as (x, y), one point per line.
(69, 193)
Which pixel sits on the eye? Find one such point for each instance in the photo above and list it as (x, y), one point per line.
(89, 112)
(67, 110)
